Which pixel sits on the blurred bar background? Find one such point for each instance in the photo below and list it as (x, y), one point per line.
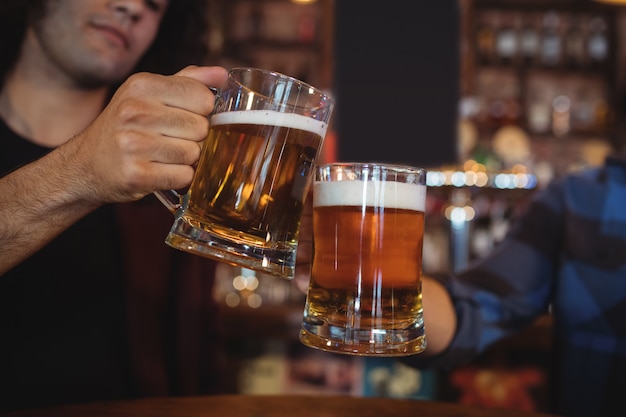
(494, 97)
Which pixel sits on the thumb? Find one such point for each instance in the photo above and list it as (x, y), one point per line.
(213, 76)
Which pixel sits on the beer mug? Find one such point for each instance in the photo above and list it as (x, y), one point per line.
(245, 201)
(364, 296)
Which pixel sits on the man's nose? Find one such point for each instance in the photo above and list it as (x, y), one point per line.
(129, 9)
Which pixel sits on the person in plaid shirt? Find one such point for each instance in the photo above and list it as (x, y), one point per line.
(564, 254)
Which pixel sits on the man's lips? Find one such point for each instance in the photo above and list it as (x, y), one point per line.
(113, 35)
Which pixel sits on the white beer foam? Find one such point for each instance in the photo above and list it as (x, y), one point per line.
(377, 193)
(265, 117)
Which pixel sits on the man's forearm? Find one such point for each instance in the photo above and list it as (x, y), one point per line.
(37, 202)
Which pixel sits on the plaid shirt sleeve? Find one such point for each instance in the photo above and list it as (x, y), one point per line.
(497, 296)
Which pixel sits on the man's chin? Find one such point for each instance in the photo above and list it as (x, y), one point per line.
(103, 76)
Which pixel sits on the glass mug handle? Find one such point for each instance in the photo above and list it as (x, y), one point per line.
(171, 199)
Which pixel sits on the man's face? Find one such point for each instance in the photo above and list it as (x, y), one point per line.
(95, 42)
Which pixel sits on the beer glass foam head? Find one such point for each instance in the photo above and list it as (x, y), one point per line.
(387, 194)
(271, 117)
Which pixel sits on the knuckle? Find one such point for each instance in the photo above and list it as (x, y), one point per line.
(130, 109)
(139, 82)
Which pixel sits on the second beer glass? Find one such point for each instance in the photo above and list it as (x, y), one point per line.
(364, 295)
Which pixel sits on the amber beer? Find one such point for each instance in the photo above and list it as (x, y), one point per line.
(245, 202)
(262, 160)
(365, 283)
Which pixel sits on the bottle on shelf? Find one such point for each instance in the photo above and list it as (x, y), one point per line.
(597, 41)
(551, 40)
(539, 97)
(529, 38)
(561, 115)
(507, 38)
(574, 45)
(486, 37)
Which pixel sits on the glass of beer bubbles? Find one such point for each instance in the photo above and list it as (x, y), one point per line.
(364, 296)
(245, 202)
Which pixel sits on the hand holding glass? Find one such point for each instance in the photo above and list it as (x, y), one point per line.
(364, 295)
(246, 198)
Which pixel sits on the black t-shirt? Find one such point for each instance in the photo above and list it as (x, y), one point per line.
(62, 329)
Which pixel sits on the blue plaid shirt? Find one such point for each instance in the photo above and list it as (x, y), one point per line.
(567, 252)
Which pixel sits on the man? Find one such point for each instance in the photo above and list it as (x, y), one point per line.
(93, 304)
(566, 254)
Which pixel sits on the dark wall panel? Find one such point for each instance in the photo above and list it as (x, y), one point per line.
(396, 80)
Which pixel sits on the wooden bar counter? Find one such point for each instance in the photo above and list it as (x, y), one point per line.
(271, 406)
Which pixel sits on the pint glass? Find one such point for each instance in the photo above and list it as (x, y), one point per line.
(364, 295)
(245, 201)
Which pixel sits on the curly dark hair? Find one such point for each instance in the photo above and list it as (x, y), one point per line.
(181, 39)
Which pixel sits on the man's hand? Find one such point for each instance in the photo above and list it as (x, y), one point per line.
(149, 136)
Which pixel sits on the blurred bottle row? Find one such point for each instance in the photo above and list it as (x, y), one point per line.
(549, 38)
(539, 85)
(546, 103)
